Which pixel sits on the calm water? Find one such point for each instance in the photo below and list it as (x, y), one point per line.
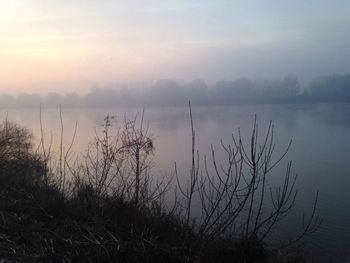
(320, 152)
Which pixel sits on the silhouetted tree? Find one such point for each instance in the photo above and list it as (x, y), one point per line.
(18, 161)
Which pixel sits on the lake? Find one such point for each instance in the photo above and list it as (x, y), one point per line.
(320, 152)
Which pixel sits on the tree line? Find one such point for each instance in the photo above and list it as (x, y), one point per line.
(168, 92)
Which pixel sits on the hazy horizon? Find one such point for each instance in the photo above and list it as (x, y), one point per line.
(77, 76)
(65, 46)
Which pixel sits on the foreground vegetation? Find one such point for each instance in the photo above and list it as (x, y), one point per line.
(106, 207)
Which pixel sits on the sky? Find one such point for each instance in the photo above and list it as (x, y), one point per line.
(65, 46)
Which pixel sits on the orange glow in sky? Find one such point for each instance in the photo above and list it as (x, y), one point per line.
(62, 45)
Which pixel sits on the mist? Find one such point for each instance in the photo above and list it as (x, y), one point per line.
(98, 135)
(169, 92)
(54, 47)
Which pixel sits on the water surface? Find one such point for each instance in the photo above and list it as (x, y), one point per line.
(320, 152)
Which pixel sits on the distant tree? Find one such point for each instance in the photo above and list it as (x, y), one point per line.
(7, 101)
(335, 88)
(71, 100)
(53, 99)
(26, 100)
(291, 85)
(101, 98)
(168, 92)
(198, 92)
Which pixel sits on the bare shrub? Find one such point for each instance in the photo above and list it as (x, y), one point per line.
(138, 146)
(118, 161)
(234, 196)
(102, 163)
(115, 211)
(18, 161)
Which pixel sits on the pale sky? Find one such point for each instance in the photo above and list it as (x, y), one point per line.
(66, 45)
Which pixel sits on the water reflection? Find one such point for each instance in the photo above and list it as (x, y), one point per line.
(319, 151)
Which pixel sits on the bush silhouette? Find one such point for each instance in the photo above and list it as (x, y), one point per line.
(19, 163)
(110, 211)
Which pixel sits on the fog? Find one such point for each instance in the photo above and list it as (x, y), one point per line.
(70, 46)
(86, 62)
(168, 92)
